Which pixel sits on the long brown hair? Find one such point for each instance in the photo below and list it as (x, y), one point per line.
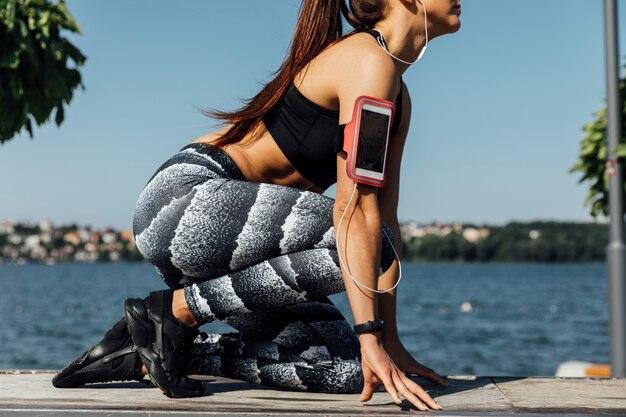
(319, 25)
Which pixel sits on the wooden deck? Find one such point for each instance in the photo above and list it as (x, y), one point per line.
(26, 393)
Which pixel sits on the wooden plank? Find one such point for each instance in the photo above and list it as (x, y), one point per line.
(31, 393)
(230, 396)
(468, 394)
(583, 395)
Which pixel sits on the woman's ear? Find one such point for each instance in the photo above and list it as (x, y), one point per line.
(410, 5)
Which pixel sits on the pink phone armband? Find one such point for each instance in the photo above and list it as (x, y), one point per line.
(366, 138)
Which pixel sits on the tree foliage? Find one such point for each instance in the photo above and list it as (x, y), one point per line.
(515, 242)
(592, 159)
(38, 67)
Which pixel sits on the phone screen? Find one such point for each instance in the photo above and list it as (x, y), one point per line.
(370, 153)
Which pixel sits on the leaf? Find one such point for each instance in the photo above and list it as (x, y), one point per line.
(9, 20)
(29, 127)
(57, 86)
(68, 21)
(44, 23)
(74, 53)
(23, 28)
(40, 109)
(598, 207)
(11, 60)
(60, 115)
(588, 149)
(17, 89)
(38, 3)
(620, 150)
(73, 78)
(56, 49)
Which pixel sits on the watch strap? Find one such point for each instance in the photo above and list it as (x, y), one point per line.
(370, 326)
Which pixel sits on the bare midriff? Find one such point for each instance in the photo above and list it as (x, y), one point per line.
(261, 160)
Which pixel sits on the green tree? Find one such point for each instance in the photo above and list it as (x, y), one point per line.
(515, 242)
(592, 158)
(38, 66)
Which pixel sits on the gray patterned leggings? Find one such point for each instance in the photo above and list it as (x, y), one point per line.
(261, 258)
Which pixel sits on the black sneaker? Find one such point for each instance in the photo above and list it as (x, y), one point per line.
(162, 342)
(114, 358)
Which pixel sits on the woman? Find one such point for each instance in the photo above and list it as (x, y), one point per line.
(236, 226)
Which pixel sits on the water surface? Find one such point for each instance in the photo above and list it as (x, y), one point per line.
(484, 319)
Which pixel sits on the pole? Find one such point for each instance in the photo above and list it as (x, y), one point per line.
(616, 250)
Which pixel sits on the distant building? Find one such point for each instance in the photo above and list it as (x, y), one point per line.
(72, 237)
(94, 237)
(127, 236)
(411, 230)
(31, 241)
(109, 236)
(45, 237)
(15, 239)
(7, 227)
(84, 234)
(45, 226)
(471, 234)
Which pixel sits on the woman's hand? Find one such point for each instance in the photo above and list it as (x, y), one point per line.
(379, 369)
(406, 363)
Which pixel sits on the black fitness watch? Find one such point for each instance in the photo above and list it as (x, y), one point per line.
(370, 326)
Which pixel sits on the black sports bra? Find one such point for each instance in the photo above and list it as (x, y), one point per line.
(310, 135)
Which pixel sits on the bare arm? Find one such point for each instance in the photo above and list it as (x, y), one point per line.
(359, 240)
(388, 198)
(360, 247)
(388, 204)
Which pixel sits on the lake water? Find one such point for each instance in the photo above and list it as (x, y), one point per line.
(483, 319)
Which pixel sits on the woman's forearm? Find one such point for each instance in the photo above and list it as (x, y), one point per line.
(359, 249)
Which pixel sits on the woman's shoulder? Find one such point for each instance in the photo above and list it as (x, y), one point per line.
(352, 65)
(361, 67)
(360, 54)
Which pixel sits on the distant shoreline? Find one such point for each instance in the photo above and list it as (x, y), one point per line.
(532, 242)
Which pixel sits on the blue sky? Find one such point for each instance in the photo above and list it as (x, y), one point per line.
(496, 125)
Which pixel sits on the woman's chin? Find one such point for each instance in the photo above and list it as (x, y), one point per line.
(454, 25)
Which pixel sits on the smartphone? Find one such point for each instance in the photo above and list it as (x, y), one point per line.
(366, 139)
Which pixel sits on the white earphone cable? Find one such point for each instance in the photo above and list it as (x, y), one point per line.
(383, 44)
(346, 268)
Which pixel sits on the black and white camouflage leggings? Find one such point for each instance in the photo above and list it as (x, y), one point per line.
(261, 258)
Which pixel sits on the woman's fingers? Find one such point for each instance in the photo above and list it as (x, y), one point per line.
(431, 375)
(406, 393)
(370, 382)
(423, 395)
(368, 391)
(427, 373)
(373, 378)
(380, 370)
(390, 387)
(396, 384)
